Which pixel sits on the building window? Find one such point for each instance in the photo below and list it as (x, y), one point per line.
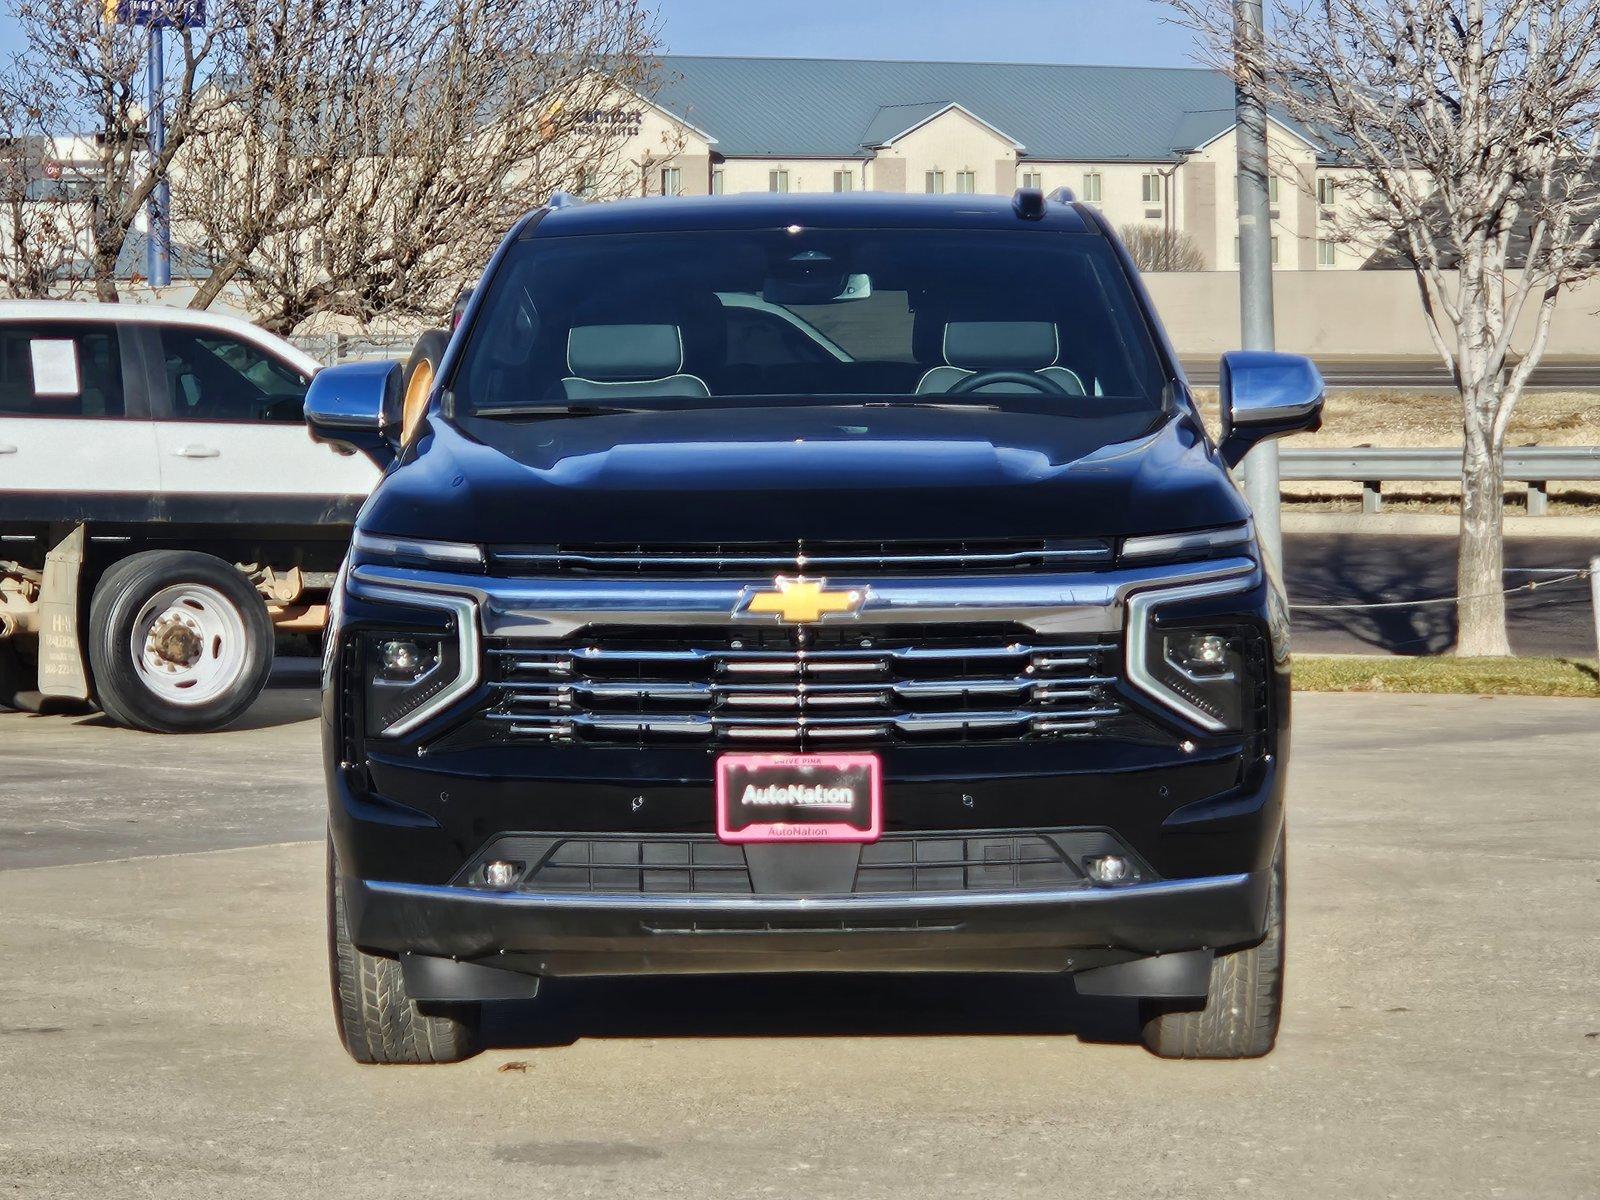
(671, 181)
(1152, 188)
(935, 183)
(716, 181)
(844, 181)
(1033, 179)
(1326, 252)
(966, 182)
(777, 181)
(586, 181)
(1272, 189)
(1092, 186)
(1327, 191)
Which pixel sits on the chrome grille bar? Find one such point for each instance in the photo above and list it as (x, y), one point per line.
(906, 691)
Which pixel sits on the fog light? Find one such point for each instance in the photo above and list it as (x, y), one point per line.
(1109, 868)
(501, 874)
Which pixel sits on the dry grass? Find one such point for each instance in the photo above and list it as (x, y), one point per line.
(1362, 417)
(1445, 675)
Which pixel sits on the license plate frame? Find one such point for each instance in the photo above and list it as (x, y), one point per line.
(739, 822)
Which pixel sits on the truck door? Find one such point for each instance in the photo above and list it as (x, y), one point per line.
(232, 438)
(76, 440)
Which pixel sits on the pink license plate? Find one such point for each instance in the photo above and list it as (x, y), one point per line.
(799, 798)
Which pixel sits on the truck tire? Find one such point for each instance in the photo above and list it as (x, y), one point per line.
(422, 368)
(179, 642)
(378, 1022)
(1244, 1001)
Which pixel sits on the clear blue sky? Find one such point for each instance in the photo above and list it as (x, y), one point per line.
(1075, 31)
(1129, 32)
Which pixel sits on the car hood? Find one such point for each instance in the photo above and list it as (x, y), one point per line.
(837, 473)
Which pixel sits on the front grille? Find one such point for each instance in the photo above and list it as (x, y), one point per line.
(761, 560)
(805, 689)
(698, 864)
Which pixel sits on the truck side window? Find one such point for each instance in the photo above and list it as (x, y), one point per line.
(62, 369)
(214, 377)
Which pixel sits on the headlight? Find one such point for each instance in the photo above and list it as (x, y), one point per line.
(405, 672)
(380, 549)
(411, 676)
(1197, 667)
(1200, 543)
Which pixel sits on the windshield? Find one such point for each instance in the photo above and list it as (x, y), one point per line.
(1034, 320)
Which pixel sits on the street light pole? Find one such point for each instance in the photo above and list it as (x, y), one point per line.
(158, 235)
(1255, 253)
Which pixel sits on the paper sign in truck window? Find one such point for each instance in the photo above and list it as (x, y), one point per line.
(55, 367)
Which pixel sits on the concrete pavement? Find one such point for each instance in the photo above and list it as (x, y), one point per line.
(165, 1027)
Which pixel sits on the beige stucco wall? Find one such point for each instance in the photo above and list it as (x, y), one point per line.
(805, 174)
(952, 142)
(1373, 314)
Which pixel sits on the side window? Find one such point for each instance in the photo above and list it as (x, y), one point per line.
(215, 377)
(62, 369)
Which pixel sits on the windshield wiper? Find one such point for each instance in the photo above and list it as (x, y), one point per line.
(557, 410)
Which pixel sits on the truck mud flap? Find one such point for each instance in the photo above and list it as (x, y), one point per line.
(61, 667)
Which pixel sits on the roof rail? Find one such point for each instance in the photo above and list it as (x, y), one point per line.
(1028, 203)
(1063, 195)
(563, 200)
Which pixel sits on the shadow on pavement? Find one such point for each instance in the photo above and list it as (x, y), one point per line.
(778, 1006)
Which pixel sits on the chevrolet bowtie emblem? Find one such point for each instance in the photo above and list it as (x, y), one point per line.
(801, 601)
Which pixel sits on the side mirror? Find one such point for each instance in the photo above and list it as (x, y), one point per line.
(358, 406)
(1265, 396)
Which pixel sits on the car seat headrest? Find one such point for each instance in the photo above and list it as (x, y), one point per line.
(1001, 345)
(613, 353)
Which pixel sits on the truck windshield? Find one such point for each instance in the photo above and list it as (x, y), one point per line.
(1034, 320)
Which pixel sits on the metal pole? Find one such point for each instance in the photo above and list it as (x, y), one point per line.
(158, 235)
(1594, 597)
(1255, 255)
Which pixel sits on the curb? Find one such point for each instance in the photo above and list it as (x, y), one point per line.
(1435, 525)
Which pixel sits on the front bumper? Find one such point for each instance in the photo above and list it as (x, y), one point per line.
(1067, 929)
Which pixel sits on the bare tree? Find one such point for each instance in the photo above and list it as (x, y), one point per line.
(44, 201)
(98, 67)
(1472, 129)
(1155, 248)
(371, 172)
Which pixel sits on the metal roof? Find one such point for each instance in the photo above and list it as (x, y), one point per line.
(839, 108)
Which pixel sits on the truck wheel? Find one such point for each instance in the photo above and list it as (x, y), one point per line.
(1244, 1001)
(422, 368)
(378, 1022)
(178, 642)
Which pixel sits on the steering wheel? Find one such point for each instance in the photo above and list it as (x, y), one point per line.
(1038, 383)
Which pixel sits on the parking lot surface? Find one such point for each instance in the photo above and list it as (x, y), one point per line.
(165, 1028)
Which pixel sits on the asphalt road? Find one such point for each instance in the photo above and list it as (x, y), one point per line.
(1416, 374)
(165, 1027)
(1322, 569)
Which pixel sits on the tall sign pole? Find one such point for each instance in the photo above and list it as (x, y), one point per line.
(158, 238)
(1255, 252)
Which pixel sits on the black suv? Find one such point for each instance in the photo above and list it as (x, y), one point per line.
(808, 583)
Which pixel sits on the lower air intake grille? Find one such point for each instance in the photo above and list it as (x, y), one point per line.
(819, 689)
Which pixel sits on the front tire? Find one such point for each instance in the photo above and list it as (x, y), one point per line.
(1244, 1002)
(179, 642)
(378, 1022)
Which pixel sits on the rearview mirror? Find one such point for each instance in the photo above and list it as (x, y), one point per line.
(1265, 396)
(357, 406)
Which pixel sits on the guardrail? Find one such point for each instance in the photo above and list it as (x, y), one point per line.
(1371, 467)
